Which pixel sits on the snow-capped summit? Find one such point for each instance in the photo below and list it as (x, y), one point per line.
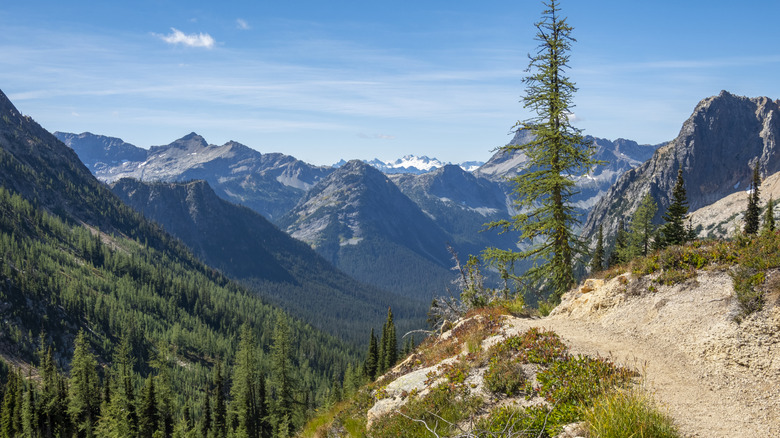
(413, 164)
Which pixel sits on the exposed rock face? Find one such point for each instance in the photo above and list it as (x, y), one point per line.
(619, 156)
(461, 203)
(716, 148)
(247, 247)
(270, 184)
(359, 220)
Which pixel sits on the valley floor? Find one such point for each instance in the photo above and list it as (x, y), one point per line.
(717, 378)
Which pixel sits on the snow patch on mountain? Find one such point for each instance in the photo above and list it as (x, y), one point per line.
(414, 165)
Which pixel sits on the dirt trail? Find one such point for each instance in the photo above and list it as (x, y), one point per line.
(717, 378)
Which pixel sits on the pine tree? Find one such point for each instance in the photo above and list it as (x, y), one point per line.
(372, 357)
(282, 378)
(390, 343)
(219, 418)
(118, 416)
(769, 215)
(618, 254)
(148, 418)
(753, 211)
(597, 261)
(10, 421)
(557, 155)
(84, 401)
(205, 419)
(673, 232)
(246, 402)
(642, 228)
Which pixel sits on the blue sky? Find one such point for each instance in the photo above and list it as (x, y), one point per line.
(363, 79)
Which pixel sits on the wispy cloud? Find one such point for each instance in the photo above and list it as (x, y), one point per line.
(242, 24)
(191, 40)
(376, 136)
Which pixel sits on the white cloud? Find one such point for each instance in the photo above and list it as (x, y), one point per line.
(242, 24)
(192, 40)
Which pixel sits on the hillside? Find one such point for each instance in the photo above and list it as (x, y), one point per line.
(247, 247)
(685, 341)
(76, 259)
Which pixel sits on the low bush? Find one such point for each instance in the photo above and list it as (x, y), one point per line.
(579, 379)
(505, 376)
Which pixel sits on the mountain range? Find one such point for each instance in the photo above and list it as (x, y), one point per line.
(76, 259)
(725, 136)
(413, 164)
(392, 224)
(248, 248)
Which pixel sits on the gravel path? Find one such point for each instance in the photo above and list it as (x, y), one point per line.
(715, 377)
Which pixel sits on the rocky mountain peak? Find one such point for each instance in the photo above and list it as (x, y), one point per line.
(191, 141)
(716, 148)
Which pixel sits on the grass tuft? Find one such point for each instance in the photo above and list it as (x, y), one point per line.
(630, 412)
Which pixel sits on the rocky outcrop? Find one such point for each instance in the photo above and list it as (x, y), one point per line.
(716, 147)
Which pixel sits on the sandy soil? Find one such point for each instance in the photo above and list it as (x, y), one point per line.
(716, 378)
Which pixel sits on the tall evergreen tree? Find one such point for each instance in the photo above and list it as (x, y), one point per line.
(618, 254)
(10, 420)
(673, 231)
(118, 416)
(84, 401)
(246, 402)
(148, 418)
(597, 261)
(642, 228)
(753, 211)
(557, 154)
(769, 215)
(390, 343)
(219, 417)
(282, 379)
(372, 357)
(205, 419)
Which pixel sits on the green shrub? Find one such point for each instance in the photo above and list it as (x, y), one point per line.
(578, 379)
(616, 414)
(441, 409)
(505, 376)
(537, 421)
(537, 346)
(746, 282)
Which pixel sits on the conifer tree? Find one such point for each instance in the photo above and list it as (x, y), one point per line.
(148, 417)
(372, 357)
(618, 254)
(84, 401)
(246, 402)
(205, 419)
(673, 232)
(10, 421)
(753, 211)
(769, 215)
(282, 378)
(557, 155)
(391, 343)
(118, 416)
(642, 228)
(219, 417)
(597, 262)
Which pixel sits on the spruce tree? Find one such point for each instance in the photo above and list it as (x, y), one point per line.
(148, 418)
(642, 228)
(753, 211)
(246, 402)
(372, 357)
(619, 250)
(219, 413)
(769, 215)
(205, 419)
(557, 155)
(282, 378)
(597, 261)
(673, 232)
(390, 343)
(10, 420)
(84, 400)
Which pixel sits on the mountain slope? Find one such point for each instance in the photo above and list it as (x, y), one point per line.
(247, 247)
(460, 203)
(716, 148)
(76, 257)
(270, 184)
(361, 222)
